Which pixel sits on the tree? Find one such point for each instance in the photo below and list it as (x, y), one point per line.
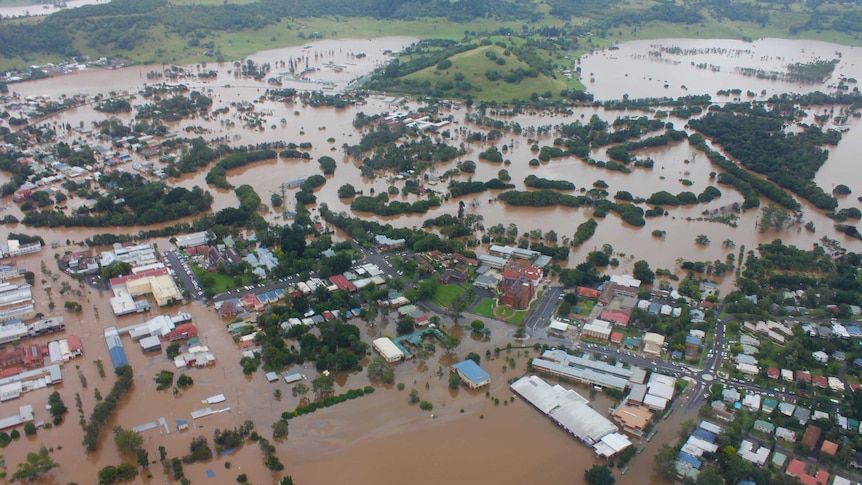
(643, 272)
(280, 429)
(323, 386)
(30, 429)
(273, 463)
(300, 389)
(600, 475)
(405, 324)
(664, 462)
(57, 408)
(276, 200)
(346, 191)
(454, 380)
(143, 457)
(702, 239)
(37, 465)
(127, 441)
(381, 371)
(414, 396)
(710, 475)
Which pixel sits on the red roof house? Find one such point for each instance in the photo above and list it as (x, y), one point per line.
(803, 376)
(342, 283)
(773, 373)
(820, 381)
(616, 337)
(796, 468)
(181, 332)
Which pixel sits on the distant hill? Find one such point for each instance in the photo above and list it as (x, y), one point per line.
(193, 31)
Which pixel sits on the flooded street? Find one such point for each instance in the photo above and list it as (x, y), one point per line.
(380, 438)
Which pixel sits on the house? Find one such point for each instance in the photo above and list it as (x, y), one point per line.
(773, 373)
(764, 426)
(820, 381)
(829, 448)
(785, 434)
(450, 276)
(692, 347)
(811, 436)
(730, 395)
(797, 469)
(387, 243)
(751, 401)
(751, 453)
(786, 408)
(802, 415)
(769, 405)
(820, 356)
(653, 343)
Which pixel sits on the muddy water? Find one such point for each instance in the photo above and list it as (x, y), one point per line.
(296, 123)
(37, 10)
(642, 68)
(344, 441)
(380, 436)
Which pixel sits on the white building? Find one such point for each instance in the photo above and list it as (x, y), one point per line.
(387, 349)
(748, 452)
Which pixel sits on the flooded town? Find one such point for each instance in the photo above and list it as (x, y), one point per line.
(306, 306)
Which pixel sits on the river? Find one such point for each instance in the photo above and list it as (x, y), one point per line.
(36, 10)
(381, 438)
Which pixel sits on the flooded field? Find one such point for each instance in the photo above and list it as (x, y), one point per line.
(381, 438)
(37, 9)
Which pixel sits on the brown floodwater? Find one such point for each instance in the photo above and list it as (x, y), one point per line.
(37, 10)
(381, 437)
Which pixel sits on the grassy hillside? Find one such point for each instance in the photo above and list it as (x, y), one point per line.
(473, 73)
(184, 31)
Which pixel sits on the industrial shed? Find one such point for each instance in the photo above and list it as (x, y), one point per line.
(387, 349)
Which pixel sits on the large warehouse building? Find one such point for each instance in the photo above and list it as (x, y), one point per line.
(387, 349)
(572, 412)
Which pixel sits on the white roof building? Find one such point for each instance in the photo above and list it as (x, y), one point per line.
(193, 239)
(653, 343)
(704, 445)
(757, 456)
(820, 356)
(572, 412)
(387, 349)
(751, 401)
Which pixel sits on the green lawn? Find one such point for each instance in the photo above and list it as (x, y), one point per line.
(486, 308)
(446, 294)
(474, 65)
(584, 307)
(222, 282)
(518, 317)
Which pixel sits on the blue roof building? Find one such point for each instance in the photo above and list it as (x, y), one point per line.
(854, 331)
(692, 340)
(704, 435)
(472, 374)
(689, 460)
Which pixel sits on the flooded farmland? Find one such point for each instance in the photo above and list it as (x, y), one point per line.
(380, 438)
